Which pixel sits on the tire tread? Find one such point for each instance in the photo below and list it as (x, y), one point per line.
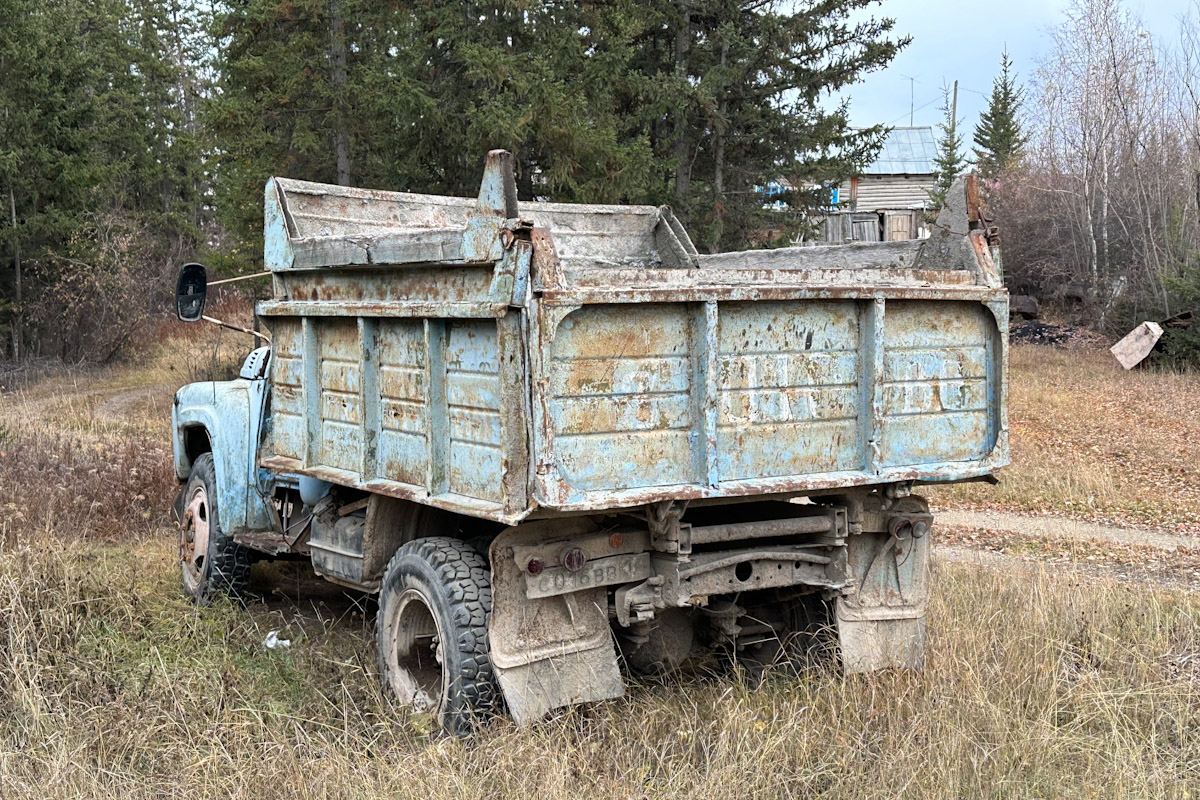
(465, 577)
(228, 563)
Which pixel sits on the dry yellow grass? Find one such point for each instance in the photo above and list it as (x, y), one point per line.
(1092, 440)
(111, 685)
(129, 399)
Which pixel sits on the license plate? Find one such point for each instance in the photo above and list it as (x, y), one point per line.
(601, 572)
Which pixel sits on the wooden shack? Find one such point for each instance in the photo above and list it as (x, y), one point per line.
(903, 174)
(887, 201)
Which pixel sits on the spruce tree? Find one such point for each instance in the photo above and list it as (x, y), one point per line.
(65, 116)
(420, 92)
(696, 103)
(272, 110)
(735, 106)
(91, 140)
(998, 136)
(950, 159)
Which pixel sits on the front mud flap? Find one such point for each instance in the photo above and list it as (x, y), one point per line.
(548, 652)
(881, 620)
(177, 507)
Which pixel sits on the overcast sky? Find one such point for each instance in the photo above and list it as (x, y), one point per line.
(956, 40)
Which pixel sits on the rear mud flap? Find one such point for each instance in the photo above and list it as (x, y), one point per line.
(869, 645)
(881, 620)
(548, 652)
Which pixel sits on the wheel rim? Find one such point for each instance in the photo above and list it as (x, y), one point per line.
(193, 534)
(414, 658)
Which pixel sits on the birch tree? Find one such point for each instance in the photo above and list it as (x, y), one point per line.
(1104, 156)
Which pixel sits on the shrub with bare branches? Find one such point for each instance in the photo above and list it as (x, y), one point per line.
(95, 297)
(1104, 210)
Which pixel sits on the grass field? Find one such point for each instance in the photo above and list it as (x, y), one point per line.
(1038, 684)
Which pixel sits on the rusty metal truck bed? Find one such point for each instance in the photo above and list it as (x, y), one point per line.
(542, 432)
(501, 359)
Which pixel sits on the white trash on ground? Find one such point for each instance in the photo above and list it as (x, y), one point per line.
(273, 642)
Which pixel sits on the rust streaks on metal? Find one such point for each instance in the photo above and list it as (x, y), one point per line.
(585, 357)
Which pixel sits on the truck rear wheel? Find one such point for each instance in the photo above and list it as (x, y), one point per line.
(432, 631)
(210, 561)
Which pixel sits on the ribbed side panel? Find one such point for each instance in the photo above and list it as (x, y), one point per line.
(403, 403)
(473, 395)
(339, 373)
(936, 385)
(789, 396)
(621, 382)
(287, 397)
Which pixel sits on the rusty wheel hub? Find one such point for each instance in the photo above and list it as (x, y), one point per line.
(414, 660)
(193, 536)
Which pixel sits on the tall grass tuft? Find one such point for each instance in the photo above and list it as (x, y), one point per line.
(63, 485)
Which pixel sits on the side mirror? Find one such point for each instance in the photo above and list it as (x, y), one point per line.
(190, 292)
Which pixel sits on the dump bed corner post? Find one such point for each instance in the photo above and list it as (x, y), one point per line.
(707, 367)
(497, 204)
(371, 422)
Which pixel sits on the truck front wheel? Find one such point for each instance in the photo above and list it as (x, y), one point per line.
(434, 605)
(210, 561)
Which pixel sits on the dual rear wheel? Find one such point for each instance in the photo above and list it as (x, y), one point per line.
(432, 631)
(434, 605)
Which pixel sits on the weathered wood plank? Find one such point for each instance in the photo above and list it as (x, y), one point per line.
(1137, 344)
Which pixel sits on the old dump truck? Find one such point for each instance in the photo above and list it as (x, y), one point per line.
(554, 437)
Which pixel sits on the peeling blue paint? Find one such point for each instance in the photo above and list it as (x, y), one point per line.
(229, 412)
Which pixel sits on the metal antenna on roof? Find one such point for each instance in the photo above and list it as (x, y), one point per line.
(912, 97)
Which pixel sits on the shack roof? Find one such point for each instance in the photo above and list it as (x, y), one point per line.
(906, 151)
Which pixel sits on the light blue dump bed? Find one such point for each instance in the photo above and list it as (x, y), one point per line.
(497, 358)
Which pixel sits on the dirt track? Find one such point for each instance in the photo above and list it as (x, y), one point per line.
(125, 405)
(1009, 541)
(1064, 528)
